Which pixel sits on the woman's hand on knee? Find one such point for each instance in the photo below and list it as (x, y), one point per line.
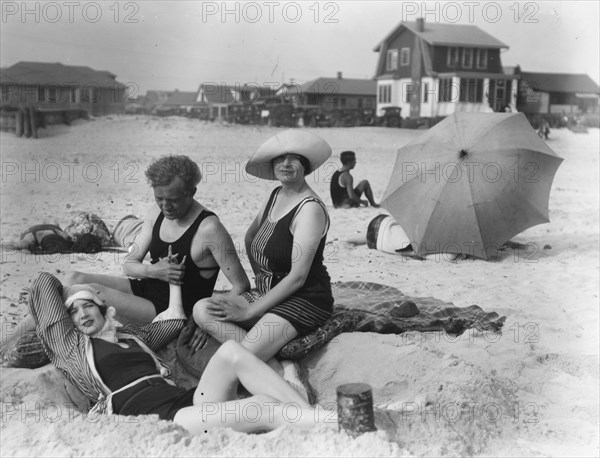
(229, 308)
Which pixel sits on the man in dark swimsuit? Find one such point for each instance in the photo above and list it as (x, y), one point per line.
(187, 245)
(343, 192)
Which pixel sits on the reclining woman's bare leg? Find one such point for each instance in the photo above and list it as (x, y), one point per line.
(274, 403)
(265, 339)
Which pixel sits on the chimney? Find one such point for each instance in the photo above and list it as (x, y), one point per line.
(421, 24)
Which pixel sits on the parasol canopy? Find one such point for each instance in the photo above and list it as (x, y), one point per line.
(471, 183)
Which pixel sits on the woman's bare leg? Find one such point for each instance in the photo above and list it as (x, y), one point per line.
(222, 331)
(356, 239)
(75, 277)
(274, 403)
(232, 363)
(254, 414)
(264, 340)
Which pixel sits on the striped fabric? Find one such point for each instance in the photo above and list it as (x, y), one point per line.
(274, 252)
(264, 235)
(71, 351)
(264, 277)
(294, 309)
(300, 312)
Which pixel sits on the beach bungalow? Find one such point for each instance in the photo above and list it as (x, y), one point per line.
(557, 93)
(433, 70)
(218, 98)
(54, 86)
(154, 99)
(334, 93)
(181, 103)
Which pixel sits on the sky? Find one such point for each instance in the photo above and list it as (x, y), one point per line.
(181, 44)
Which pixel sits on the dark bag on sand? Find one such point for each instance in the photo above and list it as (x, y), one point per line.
(24, 350)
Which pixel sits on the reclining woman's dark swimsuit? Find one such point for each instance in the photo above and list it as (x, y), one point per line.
(120, 366)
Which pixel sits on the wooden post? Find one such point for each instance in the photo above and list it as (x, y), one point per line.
(33, 121)
(26, 123)
(19, 122)
(355, 408)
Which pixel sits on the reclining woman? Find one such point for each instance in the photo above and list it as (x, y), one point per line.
(285, 246)
(117, 369)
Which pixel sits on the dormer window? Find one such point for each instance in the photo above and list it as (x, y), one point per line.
(452, 59)
(392, 59)
(405, 56)
(467, 60)
(482, 58)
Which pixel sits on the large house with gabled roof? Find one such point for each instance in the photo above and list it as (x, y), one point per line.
(432, 70)
(56, 86)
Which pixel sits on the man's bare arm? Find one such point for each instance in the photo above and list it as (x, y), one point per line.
(134, 266)
(213, 236)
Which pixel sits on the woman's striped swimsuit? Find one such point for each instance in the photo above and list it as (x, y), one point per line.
(273, 250)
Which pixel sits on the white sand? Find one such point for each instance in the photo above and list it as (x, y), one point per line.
(531, 391)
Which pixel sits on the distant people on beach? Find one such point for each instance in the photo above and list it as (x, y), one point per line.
(343, 192)
(285, 244)
(544, 129)
(178, 229)
(116, 367)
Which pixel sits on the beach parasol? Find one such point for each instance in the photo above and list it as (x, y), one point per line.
(470, 183)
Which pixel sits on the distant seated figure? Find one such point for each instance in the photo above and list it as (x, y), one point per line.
(343, 192)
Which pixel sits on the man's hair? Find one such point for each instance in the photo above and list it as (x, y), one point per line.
(164, 170)
(347, 156)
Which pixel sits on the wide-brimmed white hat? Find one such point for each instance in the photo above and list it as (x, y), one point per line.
(300, 142)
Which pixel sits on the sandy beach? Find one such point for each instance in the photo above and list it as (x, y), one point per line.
(531, 391)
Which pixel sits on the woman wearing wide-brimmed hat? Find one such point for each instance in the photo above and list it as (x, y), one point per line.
(285, 246)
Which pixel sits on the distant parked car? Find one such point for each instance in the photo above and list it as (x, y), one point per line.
(134, 108)
(391, 117)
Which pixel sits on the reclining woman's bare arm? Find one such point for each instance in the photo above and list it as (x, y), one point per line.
(53, 324)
